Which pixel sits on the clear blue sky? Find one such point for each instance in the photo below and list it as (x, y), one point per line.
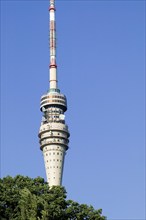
(101, 60)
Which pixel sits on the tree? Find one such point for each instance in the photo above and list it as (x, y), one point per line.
(24, 198)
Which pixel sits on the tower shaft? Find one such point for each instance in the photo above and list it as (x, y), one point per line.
(53, 133)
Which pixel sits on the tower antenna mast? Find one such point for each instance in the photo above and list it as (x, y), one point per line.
(53, 65)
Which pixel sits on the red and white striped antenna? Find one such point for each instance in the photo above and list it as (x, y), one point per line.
(53, 65)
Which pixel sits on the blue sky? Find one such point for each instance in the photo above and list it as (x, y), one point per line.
(101, 65)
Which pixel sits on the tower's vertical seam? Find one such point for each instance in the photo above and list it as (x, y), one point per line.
(53, 131)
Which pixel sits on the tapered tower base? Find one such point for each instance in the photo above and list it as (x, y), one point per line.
(53, 136)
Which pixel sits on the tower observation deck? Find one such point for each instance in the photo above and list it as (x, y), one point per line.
(53, 133)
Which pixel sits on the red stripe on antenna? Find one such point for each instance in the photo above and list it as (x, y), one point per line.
(53, 66)
(52, 8)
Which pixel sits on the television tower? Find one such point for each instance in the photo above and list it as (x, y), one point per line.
(53, 131)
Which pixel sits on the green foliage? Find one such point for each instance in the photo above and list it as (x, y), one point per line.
(23, 198)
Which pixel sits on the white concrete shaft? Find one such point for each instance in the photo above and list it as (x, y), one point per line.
(53, 78)
(54, 162)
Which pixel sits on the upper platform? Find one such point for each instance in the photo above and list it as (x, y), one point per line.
(53, 99)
